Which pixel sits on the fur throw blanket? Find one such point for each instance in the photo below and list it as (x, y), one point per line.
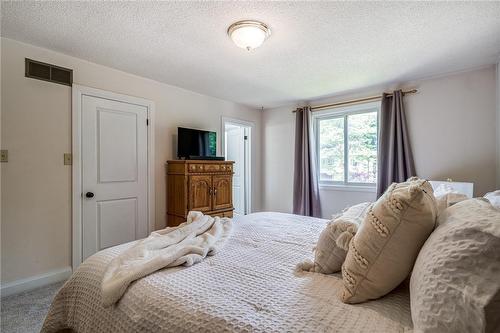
(185, 244)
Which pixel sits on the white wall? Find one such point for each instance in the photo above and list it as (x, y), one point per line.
(278, 159)
(452, 130)
(36, 118)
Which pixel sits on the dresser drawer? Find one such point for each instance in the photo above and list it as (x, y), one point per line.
(212, 167)
(226, 167)
(197, 168)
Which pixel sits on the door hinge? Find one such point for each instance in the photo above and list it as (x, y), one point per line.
(245, 137)
(147, 121)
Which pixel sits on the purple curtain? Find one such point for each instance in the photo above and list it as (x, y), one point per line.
(305, 182)
(395, 159)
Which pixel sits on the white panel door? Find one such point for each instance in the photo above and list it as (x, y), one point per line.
(235, 151)
(114, 173)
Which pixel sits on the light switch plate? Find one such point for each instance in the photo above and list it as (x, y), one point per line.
(4, 155)
(68, 159)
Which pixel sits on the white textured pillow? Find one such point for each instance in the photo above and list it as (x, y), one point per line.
(333, 242)
(455, 284)
(494, 198)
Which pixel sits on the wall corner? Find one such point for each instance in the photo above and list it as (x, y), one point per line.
(498, 120)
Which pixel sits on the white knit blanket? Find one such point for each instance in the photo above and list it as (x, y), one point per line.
(185, 244)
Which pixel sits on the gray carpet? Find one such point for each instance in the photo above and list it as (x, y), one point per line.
(25, 312)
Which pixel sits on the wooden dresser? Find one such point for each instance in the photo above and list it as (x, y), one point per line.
(204, 186)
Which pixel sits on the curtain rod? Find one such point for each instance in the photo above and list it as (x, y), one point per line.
(354, 101)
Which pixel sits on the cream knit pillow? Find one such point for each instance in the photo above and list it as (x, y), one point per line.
(382, 253)
(333, 242)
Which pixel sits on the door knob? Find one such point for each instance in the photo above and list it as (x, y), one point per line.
(89, 195)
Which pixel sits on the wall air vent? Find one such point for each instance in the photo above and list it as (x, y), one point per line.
(47, 72)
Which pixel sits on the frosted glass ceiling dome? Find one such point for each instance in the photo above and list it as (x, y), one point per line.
(248, 34)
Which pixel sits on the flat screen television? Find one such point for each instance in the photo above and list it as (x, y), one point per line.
(192, 143)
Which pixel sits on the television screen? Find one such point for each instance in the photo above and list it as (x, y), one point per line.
(192, 142)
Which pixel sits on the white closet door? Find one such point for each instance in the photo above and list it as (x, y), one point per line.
(114, 174)
(235, 144)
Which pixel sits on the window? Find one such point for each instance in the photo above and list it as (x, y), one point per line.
(346, 145)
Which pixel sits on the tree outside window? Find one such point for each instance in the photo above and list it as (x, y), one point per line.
(347, 146)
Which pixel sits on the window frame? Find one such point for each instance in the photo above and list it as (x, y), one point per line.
(343, 112)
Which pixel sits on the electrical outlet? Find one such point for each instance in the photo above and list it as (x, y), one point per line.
(68, 159)
(4, 155)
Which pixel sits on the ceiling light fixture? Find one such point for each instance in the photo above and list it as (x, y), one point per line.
(248, 34)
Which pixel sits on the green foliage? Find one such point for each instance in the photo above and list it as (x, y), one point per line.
(361, 146)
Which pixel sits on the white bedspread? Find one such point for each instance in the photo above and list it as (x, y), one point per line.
(249, 286)
(186, 244)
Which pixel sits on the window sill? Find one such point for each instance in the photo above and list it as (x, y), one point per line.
(347, 188)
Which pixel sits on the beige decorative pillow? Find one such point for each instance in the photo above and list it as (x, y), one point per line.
(382, 253)
(455, 283)
(333, 241)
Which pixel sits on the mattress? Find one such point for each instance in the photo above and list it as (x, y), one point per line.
(249, 286)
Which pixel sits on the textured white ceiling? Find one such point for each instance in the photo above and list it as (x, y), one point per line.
(316, 48)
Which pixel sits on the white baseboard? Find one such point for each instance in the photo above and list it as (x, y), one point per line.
(36, 281)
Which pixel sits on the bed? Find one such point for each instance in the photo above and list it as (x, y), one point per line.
(249, 286)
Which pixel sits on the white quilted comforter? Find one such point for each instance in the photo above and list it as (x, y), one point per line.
(249, 286)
